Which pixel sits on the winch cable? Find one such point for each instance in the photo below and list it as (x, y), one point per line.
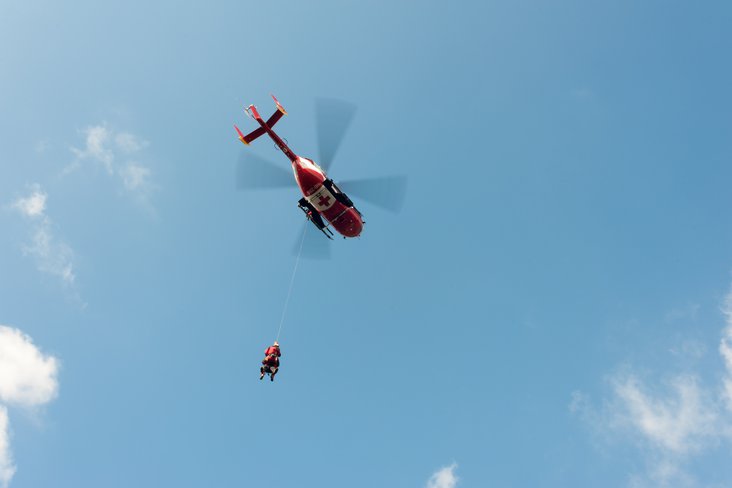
(292, 282)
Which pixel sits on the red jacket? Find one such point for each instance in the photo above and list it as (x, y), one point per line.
(271, 361)
(272, 350)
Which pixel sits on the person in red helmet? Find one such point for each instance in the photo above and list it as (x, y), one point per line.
(274, 349)
(271, 361)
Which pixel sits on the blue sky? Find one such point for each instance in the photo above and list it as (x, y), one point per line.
(550, 308)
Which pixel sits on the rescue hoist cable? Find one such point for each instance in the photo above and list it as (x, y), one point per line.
(292, 281)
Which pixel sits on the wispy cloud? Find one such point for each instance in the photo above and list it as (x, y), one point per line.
(33, 205)
(51, 255)
(444, 477)
(672, 420)
(136, 177)
(130, 143)
(117, 153)
(97, 148)
(681, 418)
(28, 379)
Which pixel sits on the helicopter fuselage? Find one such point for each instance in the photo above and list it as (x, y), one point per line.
(321, 194)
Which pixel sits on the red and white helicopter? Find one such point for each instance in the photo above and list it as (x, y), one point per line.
(323, 200)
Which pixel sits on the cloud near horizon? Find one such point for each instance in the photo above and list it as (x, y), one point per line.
(28, 380)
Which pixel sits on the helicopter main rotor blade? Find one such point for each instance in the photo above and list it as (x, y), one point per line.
(254, 172)
(332, 118)
(386, 192)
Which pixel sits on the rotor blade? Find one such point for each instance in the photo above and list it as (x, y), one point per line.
(332, 118)
(386, 192)
(315, 246)
(254, 172)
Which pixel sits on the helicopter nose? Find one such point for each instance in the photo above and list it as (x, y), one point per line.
(349, 224)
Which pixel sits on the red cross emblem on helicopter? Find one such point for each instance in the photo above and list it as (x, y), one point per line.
(323, 200)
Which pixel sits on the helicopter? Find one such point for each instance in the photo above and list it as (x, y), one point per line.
(323, 201)
(321, 196)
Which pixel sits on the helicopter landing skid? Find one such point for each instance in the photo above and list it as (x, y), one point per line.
(314, 217)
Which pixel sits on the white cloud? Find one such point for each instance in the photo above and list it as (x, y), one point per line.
(96, 148)
(112, 149)
(679, 421)
(725, 350)
(662, 474)
(129, 143)
(41, 146)
(444, 478)
(135, 177)
(51, 255)
(28, 379)
(673, 421)
(34, 205)
(7, 468)
(689, 349)
(687, 312)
